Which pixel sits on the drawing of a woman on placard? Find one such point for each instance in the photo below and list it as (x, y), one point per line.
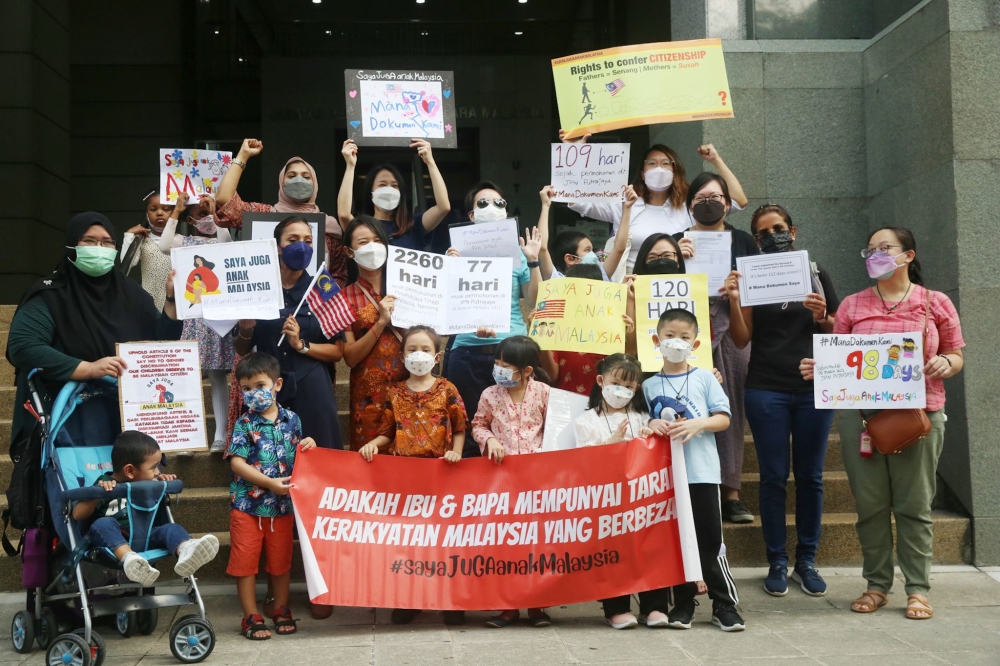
(201, 281)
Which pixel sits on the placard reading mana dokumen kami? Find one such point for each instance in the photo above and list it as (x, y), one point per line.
(590, 523)
(390, 107)
(878, 371)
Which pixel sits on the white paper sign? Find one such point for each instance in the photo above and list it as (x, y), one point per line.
(563, 409)
(488, 239)
(712, 256)
(781, 277)
(450, 294)
(190, 170)
(589, 171)
(878, 371)
(161, 393)
(226, 281)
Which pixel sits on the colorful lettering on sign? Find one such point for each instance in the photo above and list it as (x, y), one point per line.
(866, 365)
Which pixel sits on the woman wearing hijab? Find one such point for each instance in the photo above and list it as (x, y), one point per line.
(141, 244)
(69, 322)
(297, 189)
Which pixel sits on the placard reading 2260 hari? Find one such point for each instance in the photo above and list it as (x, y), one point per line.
(878, 371)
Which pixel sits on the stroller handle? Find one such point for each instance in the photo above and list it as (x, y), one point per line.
(121, 490)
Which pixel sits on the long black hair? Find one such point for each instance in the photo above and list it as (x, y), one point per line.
(521, 351)
(906, 239)
(628, 369)
(205, 263)
(647, 247)
(401, 216)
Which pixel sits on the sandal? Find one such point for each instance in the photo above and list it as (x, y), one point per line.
(253, 624)
(869, 602)
(917, 603)
(282, 619)
(540, 620)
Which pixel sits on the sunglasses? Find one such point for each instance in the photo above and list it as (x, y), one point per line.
(484, 202)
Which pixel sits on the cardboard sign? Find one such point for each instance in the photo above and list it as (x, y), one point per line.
(654, 294)
(878, 371)
(591, 523)
(390, 107)
(227, 281)
(579, 315)
(643, 84)
(196, 172)
(261, 226)
(450, 294)
(161, 393)
(589, 172)
(781, 277)
(487, 239)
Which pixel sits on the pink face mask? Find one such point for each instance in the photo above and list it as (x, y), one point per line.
(205, 225)
(881, 266)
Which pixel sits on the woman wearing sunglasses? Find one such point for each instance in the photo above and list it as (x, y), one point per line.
(779, 406)
(900, 485)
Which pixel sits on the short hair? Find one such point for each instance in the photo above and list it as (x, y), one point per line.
(521, 351)
(470, 196)
(291, 219)
(413, 330)
(257, 363)
(585, 271)
(647, 246)
(132, 448)
(703, 179)
(677, 314)
(630, 370)
(568, 242)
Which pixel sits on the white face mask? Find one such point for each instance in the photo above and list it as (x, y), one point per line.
(386, 198)
(371, 256)
(617, 396)
(675, 350)
(658, 179)
(489, 214)
(419, 363)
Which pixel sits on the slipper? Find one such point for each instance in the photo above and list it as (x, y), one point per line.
(869, 602)
(251, 625)
(282, 618)
(917, 603)
(542, 620)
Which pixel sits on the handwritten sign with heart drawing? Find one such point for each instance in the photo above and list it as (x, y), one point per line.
(391, 107)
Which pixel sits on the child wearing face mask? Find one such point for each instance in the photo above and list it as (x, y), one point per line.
(424, 417)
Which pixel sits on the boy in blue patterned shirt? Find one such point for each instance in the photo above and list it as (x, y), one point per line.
(262, 451)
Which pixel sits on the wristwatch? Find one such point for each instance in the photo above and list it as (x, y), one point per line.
(305, 348)
(534, 264)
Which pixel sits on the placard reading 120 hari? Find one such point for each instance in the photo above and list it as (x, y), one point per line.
(878, 371)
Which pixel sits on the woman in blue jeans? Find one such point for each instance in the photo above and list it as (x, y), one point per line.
(779, 405)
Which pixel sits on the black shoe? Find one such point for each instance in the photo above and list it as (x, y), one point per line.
(403, 615)
(682, 614)
(735, 512)
(454, 617)
(727, 619)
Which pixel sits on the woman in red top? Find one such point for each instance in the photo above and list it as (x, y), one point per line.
(900, 485)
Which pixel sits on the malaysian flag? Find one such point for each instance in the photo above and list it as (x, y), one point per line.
(615, 86)
(328, 305)
(551, 310)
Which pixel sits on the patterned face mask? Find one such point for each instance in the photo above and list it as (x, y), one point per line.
(258, 400)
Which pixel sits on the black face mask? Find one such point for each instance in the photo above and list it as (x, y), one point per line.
(777, 242)
(662, 267)
(708, 212)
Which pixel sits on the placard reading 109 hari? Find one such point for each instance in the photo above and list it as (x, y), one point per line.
(878, 371)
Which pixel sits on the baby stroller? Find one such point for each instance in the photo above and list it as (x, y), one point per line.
(87, 582)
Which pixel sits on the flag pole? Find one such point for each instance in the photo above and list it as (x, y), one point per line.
(322, 267)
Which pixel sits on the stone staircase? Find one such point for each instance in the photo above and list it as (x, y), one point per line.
(204, 505)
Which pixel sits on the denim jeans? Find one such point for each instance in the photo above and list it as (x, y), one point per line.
(107, 533)
(470, 369)
(774, 417)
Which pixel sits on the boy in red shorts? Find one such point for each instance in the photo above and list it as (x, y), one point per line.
(263, 447)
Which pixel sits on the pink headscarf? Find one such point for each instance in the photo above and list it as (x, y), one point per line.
(286, 205)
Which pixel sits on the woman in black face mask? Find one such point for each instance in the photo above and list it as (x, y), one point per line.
(779, 406)
(709, 202)
(659, 254)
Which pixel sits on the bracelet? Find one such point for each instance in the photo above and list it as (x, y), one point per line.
(240, 163)
(171, 299)
(823, 319)
(240, 333)
(534, 264)
(945, 357)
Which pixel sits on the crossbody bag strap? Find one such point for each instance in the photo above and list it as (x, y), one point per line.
(372, 300)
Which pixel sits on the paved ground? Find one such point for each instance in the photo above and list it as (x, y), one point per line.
(793, 631)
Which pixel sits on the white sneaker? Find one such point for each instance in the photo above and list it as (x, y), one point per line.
(655, 619)
(218, 446)
(622, 621)
(196, 553)
(138, 570)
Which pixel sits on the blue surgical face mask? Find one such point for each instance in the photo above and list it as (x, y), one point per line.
(297, 255)
(259, 399)
(504, 377)
(589, 259)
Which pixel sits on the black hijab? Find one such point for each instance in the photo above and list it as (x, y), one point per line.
(91, 314)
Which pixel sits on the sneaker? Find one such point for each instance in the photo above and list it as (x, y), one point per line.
(454, 617)
(726, 618)
(810, 580)
(654, 620)
(404, 615)
(622, 621)
(776, 583)
(681, 615)
(735, 512)
(138, 570)
(218, 446)
(193, 554)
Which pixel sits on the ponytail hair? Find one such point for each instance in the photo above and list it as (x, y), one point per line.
(908, 242)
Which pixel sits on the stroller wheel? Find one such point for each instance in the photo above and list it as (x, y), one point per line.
(48, 628)
(126, 623)
(22, 631)
(146, 620)
(192, 639)
(97, 648)
(68, 650)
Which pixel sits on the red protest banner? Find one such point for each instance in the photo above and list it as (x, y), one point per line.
(536, 531)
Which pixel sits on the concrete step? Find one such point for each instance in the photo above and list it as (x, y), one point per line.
(837, 497)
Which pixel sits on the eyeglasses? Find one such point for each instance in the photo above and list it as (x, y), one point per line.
(713, 198)
(484, 202)
(881, 249)
(93, 242)
(764, 233)
(663, 255)
(662, 163)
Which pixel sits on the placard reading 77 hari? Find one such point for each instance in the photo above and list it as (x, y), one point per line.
(391, 107)
(878, 371)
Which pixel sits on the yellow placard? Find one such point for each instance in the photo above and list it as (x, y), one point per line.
(668, 82)
(575, 314)
(654, 294)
